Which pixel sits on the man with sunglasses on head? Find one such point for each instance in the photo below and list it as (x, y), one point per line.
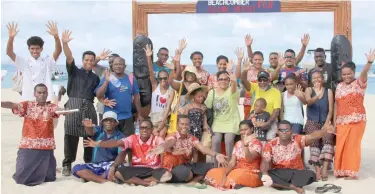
(282, 164)
(264, 89)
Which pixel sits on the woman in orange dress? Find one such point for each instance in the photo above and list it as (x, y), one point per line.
(350, 120)
(244, 166)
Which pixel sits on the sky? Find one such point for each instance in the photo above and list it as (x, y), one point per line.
(108, 24)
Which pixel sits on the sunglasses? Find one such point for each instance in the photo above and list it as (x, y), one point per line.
(162, 78)
(284, 129)
(223, 79)
(289, 57)
(262, 80)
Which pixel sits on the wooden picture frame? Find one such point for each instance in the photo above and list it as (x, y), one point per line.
(341, 10)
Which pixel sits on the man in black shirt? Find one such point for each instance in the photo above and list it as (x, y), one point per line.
(327, 70)
(81, 85)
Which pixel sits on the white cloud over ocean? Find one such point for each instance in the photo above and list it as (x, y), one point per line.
(108, 24)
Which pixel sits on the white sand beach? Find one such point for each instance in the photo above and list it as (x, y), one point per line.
(11, 126)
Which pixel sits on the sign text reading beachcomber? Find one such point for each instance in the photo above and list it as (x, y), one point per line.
(237, 6)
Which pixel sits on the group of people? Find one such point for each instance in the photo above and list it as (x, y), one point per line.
(191, 113)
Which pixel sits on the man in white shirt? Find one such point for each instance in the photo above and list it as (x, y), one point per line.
(35, 69)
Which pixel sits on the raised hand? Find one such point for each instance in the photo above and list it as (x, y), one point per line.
(90, 143)
(182, 45)
(239, 53)
(298, 91)
(12, 29)
(52, 28)
(370, 56)
(319, 90)
(148, 50)
(222, 160)
(247, 64)
(87, 123)
(107, 74)
(233, 78)
(110, 103)
(281, 59)
(299, 72)
(230, 66)
(248, 40)
(305, 39)
(66, 36)
(176, 56)
(248, 138)
(105, 54)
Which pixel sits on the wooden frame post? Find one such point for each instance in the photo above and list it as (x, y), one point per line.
(341, 10)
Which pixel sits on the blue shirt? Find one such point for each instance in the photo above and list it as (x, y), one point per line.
(105, 154)
(123, 96)
(157, 68)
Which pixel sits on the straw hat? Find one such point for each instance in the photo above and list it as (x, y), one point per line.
(191, 69)
(193, 87)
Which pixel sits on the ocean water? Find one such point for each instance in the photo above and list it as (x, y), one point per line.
(7, 80)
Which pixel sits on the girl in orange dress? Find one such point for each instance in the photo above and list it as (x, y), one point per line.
(244, 166)
(350, 120)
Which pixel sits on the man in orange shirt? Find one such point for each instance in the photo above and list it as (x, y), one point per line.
(282, 164)
(145, 168)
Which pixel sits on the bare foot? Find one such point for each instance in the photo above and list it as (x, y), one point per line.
(152, 183)
(192, 183)
(318, 173)
(299, 190)
(318, 176)
(324, 176)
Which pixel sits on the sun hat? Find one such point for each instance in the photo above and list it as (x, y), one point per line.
(191, 69)
(109, 115)
(193, 87)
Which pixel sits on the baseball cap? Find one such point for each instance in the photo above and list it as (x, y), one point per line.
(109, 115)
(263, 74)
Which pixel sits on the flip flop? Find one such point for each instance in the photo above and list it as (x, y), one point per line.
(197, 186)
(325, 178)
(328, 187)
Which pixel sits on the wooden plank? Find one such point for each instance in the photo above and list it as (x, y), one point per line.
(309, 6)
(341, 10)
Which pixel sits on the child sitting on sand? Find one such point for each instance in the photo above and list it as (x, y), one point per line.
(36, 162)
(259, 118)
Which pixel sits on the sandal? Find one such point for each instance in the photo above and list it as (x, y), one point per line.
(197, 186)
(328, 187)
(325, 178)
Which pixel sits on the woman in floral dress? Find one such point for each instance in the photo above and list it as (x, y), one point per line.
(244, 166)
(350, 121)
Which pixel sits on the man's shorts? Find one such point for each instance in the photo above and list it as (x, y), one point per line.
(97, 168)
